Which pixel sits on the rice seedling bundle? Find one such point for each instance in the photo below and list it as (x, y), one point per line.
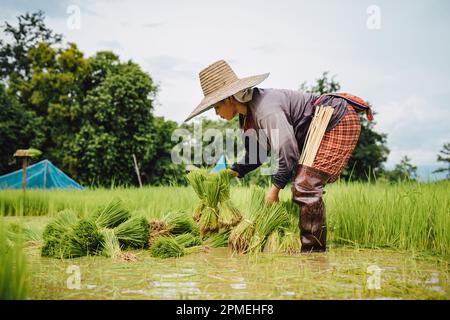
(215, 209)
(251, 234)
(55, 231)
(218, 240)
(111, 215)
(166, 247)
(133, 233)
(317, 127)
(188, 240)
(273, 242)
(157, 227)
(180, 222)
(84, 239)
(269, 219)
(241, 235)
(172, 223)
(110, 244)
(290, 242)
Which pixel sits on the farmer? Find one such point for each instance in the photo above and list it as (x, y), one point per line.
(290, 112)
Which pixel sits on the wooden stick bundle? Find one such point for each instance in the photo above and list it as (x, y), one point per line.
(319, 123)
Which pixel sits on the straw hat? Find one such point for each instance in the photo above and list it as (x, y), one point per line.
(218, 81)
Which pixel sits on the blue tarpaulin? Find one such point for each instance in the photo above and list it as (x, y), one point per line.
(220, 165)
(38, 174)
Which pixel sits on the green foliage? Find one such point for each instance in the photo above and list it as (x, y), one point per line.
(88, 115)
(19, 129)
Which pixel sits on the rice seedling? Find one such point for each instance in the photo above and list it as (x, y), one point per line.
(55, 231)
(214, 210)
(188, 240)
(133, 233)
(13, 269)
(269, 219)
(218, 240)
(157, 227)
(111, 215)
(229, 215)
(172, 223)
(82, 240)
(16, 232)
(110, 244)
(180, 222)
(273, 242)
(166, 247)
(241, 235)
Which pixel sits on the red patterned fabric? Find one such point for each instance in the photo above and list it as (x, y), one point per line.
(337, 145)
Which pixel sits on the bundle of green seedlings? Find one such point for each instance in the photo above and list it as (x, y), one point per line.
(251, 234)
(172, 234)
(284, 239)
(174, 246)
(215, 210)
(171, 223)
(105, 232)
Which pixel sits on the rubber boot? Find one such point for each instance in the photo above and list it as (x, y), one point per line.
(307, 192)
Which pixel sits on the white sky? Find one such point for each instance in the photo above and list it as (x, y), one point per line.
(403, 68)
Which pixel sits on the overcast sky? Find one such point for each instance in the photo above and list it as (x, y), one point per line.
(400, 62)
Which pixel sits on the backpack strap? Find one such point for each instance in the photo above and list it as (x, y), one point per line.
(357, 103)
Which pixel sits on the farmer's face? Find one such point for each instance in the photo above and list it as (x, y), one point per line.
(226, 109)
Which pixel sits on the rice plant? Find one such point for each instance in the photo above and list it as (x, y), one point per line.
(215, 209)
(13, 269)
(111, 215)
(133, 233)
(110, 244)
(166, 247)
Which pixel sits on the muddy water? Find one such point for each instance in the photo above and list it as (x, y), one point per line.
(341, 273)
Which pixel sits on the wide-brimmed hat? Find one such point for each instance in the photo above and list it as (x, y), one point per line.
(218, 81)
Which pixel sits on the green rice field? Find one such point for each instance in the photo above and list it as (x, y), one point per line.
(384, 242)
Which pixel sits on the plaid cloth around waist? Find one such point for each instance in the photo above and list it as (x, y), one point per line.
(338, 144)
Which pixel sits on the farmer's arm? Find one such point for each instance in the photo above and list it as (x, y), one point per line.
(283, 146)
(251, 159)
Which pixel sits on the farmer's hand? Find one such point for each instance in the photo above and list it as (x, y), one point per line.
(233, 173)
(272, 195)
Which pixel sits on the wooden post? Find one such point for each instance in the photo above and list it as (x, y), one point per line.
(137, 171)
(24, 172)
(45, 175)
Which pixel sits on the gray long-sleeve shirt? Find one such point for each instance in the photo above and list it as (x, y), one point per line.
(290, 112)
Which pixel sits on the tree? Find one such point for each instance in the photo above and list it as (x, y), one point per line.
(444, 157)
(404, 170)
(116, 122)
(19, 129)
(30, 31)
(370, 152)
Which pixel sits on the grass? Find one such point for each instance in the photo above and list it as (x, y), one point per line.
(407, 216)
